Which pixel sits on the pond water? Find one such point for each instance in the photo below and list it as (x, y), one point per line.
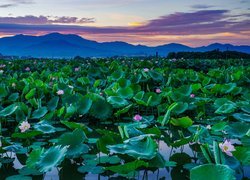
(70, 169)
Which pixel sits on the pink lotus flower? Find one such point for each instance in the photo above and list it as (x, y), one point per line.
(192, 95)
(145, 69)
(77, 69)
(137, 117)
(227, 147)
(27, 69)
(158, 90)
(24, 126)
(2, 65)
(60, 92)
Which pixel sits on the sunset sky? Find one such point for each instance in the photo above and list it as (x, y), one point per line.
(148, 22)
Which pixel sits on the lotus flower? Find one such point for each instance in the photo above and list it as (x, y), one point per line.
(158, 90)
(2, 65)
(27, 69)
(227, 147)
(60, 92)
(13, 84)
(1, 71)
(208, 127)
(192, 95)
(137, 117)
(145, 69)
(24, 126)
(77, 69)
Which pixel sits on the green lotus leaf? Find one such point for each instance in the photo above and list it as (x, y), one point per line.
(159, 162)
(117, 75)
(126, 93)
(212, 172)
(242, 117)
(246, 108)
(117, 102)
(45, 127)
(180, 108)
(243, 155)
(13, 97)
(124, 110)
(226, 108)
(74, 141)
(18, 177)
(53, 103)
(25, 171)
(30, 94)
(238, 129)
(3, 92)
(155, 75)
(91, 169)
(143, 147)
(184, 122)
(39, 113)
(70, 111)
(33, 157)
(51, 158)
(8, 110)
(181, 158)
(83, 104)
(109, 159)
(152, 99)
(123, 83)
(127, 167)
(26, 134)
(219, 126)
(74, 125)
(227, 88)
(101, 109)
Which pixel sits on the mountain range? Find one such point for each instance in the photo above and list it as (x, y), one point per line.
(56, 45)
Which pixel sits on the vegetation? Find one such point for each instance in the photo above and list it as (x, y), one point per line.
(124, 118)
(215, 54)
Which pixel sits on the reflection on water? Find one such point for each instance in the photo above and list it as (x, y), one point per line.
(69, 170)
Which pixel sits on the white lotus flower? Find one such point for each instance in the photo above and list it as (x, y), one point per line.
(24, 126)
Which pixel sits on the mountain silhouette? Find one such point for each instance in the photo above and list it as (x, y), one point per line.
(56, 45)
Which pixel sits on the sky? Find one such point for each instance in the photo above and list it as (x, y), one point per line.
(148, 22)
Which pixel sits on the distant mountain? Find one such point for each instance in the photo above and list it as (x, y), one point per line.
(69, 45)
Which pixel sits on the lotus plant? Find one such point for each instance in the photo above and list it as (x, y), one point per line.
(192, 95)
(27, 69)
(24, 126)
(60, 92)
(137, 117)
(227, 147)
(158, 90)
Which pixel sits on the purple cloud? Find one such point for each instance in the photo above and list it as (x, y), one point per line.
(44, 20)
(201, 6)
(7, 5)
(191, 23)
(16, 2)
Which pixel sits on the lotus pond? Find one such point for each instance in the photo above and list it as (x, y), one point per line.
(125, 118)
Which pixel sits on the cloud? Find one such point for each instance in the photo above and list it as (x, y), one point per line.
(201, 6)
(180, 24)
(7, 5)
(14, 3)
(45, 20)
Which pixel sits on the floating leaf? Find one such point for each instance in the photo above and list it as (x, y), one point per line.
(127, 167)
(143, 147)
(212, 171)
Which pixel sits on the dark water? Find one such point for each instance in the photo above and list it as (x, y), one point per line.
(166, 152)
